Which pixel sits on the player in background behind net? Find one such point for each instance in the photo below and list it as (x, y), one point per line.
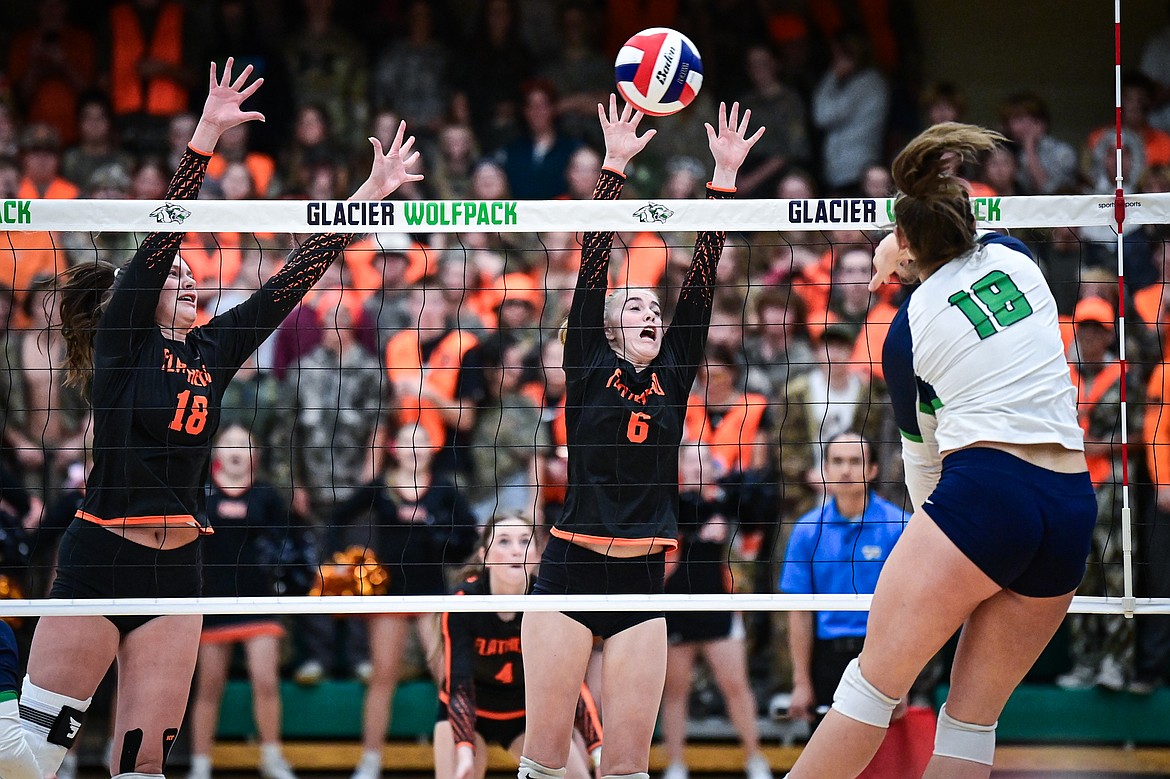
(482, 695)
(995, 467)
(628, 381)
(155, 383)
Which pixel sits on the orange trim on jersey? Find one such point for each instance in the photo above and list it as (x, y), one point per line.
(570, 536)
(174, 520)
(231, 634)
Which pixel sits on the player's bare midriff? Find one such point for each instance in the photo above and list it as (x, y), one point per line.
(1053, 457)
(160, 538)
(623, 550)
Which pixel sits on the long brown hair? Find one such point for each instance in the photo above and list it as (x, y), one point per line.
(933, 209)
(84, 292)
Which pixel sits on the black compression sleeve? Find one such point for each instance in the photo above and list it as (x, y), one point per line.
(136, 289)
(243, 328)
(586, 315)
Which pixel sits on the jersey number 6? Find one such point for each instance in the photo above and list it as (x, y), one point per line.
(1002, 298)
(637, 429)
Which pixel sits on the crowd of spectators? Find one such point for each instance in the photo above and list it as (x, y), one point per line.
(454, 336)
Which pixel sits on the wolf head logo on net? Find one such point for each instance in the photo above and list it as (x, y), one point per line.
(170, 213)
(653, 212)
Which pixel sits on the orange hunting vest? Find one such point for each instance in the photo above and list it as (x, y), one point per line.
(130, 93)
(732, 441)
(440, 375)
(215, 263)
(1100, 466)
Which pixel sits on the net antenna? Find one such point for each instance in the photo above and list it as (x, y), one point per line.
(1127, 601)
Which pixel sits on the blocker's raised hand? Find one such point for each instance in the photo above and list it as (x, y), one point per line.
(730, 144)
(622, 141)
(225, 96)
(392, 168)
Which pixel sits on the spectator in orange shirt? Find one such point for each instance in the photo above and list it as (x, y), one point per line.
(1137, 95)
(28, 254)
(40, 148)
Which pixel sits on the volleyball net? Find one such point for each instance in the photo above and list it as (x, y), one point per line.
(434, 343)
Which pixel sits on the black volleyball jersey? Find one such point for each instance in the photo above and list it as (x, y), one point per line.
(623, 425)
(156, 401)
(231, 557)
(484, 666)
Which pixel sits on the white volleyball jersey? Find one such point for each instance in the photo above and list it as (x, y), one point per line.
(987, 353)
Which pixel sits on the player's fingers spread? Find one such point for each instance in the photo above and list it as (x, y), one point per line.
(627, 112)
(743, 123)
(411, 160)
(242, 78)
(407, 145)
(214, 81)
(613, 112)
(710, 131)
(722, 115)
(756, 136)
(377, 147)
(399, 135)
(251, 88)
(733, 120)
(227, 71)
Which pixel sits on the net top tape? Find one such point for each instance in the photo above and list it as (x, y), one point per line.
(528, 216)
(426, 604)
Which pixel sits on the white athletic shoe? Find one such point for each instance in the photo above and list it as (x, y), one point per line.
(757, 767)
(200, 767)
(676, 771)
(272, 763)
(309, 673)
(1082, 677)
(369, 767)
(1111, 675)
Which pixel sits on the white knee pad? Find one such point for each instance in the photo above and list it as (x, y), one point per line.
(51, 722)
(530, 769)
(139, 776)
(964, 741)
(639, 775)
(857, 699)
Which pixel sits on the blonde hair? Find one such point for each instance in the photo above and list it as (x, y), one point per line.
(611, 304)
(933, 208)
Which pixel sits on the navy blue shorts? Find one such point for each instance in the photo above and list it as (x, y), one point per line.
(1026, 527)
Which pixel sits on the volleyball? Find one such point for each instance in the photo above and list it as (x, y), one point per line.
(659, 71)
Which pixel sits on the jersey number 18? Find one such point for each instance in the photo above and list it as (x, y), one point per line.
(1000, 296)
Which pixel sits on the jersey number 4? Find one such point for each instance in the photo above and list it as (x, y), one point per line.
(1000, 296)
(506, 675)
(193, 419)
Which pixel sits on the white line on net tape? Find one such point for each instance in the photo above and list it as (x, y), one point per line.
(522, 216)
(424, 604)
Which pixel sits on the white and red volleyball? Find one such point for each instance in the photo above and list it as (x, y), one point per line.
(659, 71)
